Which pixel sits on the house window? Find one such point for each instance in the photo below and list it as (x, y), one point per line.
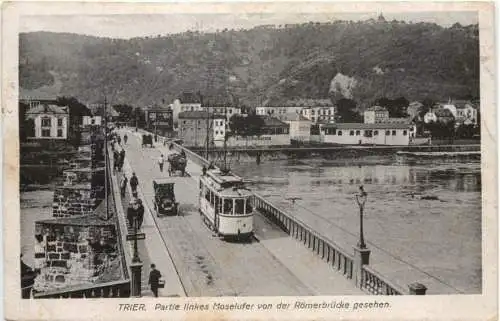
(59, 133)
(387, 132)
(375, 133)
(393, 133)
(368, 133)
(45, 132)
(313, 119)
(184, 122)
(92, 121)
(312, 112)
(230, 111)
(358, 133)
(340, 133)
(329, 112)
(351, 133)
(59, 122)
(216, 132)
(404, 133)
(46, 122)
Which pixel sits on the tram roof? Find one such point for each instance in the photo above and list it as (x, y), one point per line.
(224, 180)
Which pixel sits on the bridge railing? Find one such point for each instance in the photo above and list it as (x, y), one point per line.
(332, 253)
(115, 289)
(375, 283)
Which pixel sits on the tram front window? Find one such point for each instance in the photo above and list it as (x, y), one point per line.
(228, 206)
(239, 206)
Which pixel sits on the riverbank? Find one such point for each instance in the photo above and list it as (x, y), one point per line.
(330, 153)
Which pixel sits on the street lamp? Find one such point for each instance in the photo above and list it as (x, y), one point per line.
(361, 200)
(135, 258)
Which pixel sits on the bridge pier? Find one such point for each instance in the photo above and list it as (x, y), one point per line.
(361, 258)
(135, 281)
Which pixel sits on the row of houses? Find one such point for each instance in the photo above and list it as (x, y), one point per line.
(198, 127)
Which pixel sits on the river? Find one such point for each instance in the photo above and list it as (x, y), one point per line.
(440, 239)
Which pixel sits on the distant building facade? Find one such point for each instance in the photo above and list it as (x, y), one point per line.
(186, 102)
(376, 114)
(49, 121)
(195, 127)
(274, 132)
(159, 120)
(300, 127)
(319, 114)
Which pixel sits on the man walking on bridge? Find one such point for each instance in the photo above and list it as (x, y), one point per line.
(154, 280)
(133, 184)
(161, 161)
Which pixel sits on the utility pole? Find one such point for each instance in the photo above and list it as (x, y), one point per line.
(106, 157)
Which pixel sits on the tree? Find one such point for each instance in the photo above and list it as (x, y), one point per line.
(246, 126)
(346, 112)
(125, 111)
(396, 107)
(76, 112)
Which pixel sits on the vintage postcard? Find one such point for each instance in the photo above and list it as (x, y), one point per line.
(249, 161)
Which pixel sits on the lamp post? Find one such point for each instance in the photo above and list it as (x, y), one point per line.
(361, 252)
(361, 200)
(136, 258)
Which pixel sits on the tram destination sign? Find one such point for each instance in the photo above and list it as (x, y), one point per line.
(138, 236)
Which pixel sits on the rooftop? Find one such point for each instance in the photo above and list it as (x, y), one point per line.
(368, 126)
(271, 121)
(376, 108)
(200, 115)
(48, 109)
(443, 113)
(189, 98)
(294, 117)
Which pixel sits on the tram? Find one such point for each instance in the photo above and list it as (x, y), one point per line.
(226, 204)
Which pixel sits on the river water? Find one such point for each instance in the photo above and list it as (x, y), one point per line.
(439, 240)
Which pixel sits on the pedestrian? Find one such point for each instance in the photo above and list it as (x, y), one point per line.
(161, 161)
(131, 214)
(140, 213)
(133, 183)
(125, 138)
(116, 160)
(122, 159)
(154, 280)
(123, 185)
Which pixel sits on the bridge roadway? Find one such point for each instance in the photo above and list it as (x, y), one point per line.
(273, 264)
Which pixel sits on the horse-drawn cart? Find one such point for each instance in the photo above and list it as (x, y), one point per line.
(177, 162)
(164, 201)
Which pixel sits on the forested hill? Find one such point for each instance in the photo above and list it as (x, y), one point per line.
(368, 60)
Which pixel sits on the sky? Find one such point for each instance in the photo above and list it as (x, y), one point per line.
(140, 25)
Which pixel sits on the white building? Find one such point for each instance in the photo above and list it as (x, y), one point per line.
(91, 120)
(376, 114)
(319, 114)
(228, 111)
(368, 134)
(464, 112)
(179, 106)
(278, 112)
(300, 127)
(50, 121)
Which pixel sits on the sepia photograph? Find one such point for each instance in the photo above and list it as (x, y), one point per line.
(177, 155)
